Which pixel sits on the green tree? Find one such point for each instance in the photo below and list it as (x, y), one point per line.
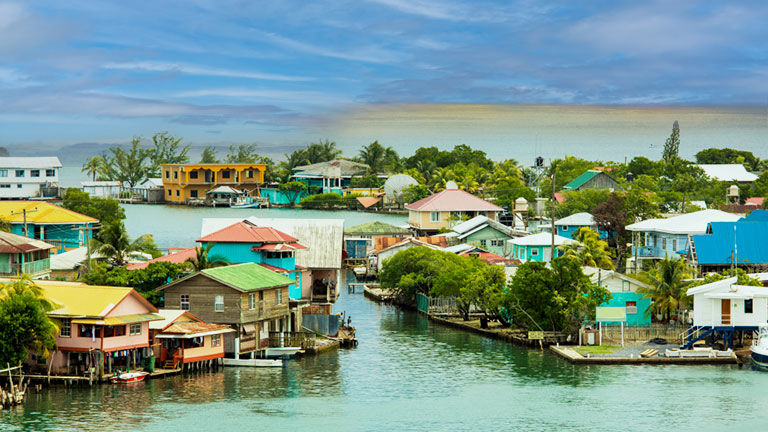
(581, 201)
(411, 272)
(667, 291)
(672, 145)
(728, 156)
(24, 284)
(24, 327)
(369, 180)
(459, 279)
(590, 250)
(145, 281)
(378, 157)
(567, 170)
(115, 245)
(209, 155)
(166, 149)
(203, 258)
(640, 165)
(106, 210)
(243, 153)
(128, 166)
(414, 193)
(293, 191)
(94, 166)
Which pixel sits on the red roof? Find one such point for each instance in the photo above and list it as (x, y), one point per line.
(560, 197)
(246, 232)
(490, 257)
(279, 247)
(758, 201)
(176, 256)
(453, 200)
(368, 201)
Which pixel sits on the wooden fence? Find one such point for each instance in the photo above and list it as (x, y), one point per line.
(612, 334)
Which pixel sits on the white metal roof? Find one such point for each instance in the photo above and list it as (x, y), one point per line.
(541, 239)
(582, 219)
(728, 172)
(689, 223)
(224, 190)
(169, 316)
(324, 238)
(70, 259)
(100, 183)
(30, 162)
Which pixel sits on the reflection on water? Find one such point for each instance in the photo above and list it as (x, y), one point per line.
(410, 374)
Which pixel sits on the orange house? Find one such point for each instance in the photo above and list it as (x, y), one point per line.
(182, 182)
(183, 338)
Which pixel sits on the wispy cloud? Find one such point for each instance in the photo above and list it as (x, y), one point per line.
(200, 70)
(285, 96)
(445, 10)
(12, 78)
(370, 54)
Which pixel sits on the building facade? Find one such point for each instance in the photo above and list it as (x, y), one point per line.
(184, 182)
(446, 209)
(23, 255)
(60, 227)
(537, 247)
(26, 177)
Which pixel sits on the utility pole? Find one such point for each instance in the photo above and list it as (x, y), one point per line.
(84, 229)
(24, 213)
(552, 216)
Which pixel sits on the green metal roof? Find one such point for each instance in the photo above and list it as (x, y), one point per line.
(375, 227)
(248, 277)
(580, 180)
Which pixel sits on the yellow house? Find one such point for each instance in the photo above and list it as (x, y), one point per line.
(182, 182)
(438, 211)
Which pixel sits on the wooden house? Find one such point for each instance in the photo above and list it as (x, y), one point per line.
(20, 254)
(181, 338)
(249, 298)
(100, 327)
(592, 179)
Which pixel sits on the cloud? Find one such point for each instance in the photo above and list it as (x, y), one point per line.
(200, 70)
(13, 78)
(442, 10)
(307, 97)
(369, 54)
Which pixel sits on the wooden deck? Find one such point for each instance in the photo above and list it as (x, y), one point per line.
(573, 356)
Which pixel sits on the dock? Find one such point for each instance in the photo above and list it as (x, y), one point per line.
(375, 293)
(571, 355)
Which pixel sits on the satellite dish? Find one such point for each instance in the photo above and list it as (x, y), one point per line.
(451, 185)
(395, 185)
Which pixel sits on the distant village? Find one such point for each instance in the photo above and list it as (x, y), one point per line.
(585, 254)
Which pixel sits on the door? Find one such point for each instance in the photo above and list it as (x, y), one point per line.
(725, 311)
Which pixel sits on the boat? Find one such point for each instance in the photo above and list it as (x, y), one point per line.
(244, 203)
(281, 352)
(253, 362)
(129, 377)
(759, 349)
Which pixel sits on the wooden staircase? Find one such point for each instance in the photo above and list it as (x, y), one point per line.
(169, 364)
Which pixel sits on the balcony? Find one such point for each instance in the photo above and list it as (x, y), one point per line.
(648, 252)
(31, 268)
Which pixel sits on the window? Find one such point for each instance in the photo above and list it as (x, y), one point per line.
(175, 175)
(218, 303)
(249, 173)
(534, 252)
(624, 286)
(674, 244)
(135, 329)
(19, 173)
(19, 186)
(50, 173)
(66, 328)
(278, 296)
(87, 330)
(663, 242)
(3, 173)
(631, 307)
(170, 192)
(193, 193)
(225, 174)
(185, 302)
(434, 216)
(167, 174)
(112, 331)
(483, 243)
(565, 227)
(193, 174)
(748, 306)
(5, 186)
(178, 192)
(34, 173)
(251, 301)
(216, 340)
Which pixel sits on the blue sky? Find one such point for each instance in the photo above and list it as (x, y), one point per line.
(284, 72)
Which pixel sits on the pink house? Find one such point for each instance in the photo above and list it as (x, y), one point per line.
(100, 327)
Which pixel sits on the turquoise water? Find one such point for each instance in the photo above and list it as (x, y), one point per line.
(410, 374)
(179, 226)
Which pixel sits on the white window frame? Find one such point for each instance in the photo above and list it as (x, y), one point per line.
(631, 309)
(251, 301)
(216, 340)
(278, 296)
(66, 328)
(434, 216)
(218, 303)
(625, 286)
(182, 302)
(135, 329)
(535, 252)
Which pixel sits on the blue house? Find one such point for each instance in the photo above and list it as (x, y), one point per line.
(658, 238)
(743, 243)
(537, 247)
(624, 294)
(57, 226)
(568, 226)
(276, 196)
(245, 242)
(332, 176)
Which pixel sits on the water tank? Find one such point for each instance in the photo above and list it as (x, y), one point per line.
(451, 185)
(521, 204)
(395, 185)
(733, 191)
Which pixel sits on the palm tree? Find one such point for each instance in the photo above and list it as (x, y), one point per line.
(667, 287)
(26, 285)
(378, 157)
(589, 251)
(204, 260)
(93, 166)
(117, 247)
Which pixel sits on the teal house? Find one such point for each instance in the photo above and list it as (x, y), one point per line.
(62, 228)
(592, 179)
(332, 176)
(624, 293)
(245, 242)
(568, 226)
(486, 233)
(279, 197)
(537, 247)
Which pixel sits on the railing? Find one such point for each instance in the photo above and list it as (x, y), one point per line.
(648, 252)
(291, 339)
(32, 267)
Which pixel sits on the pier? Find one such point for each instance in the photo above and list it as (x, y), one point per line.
(571, 355)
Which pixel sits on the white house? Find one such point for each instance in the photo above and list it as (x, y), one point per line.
(725, 304)
(391, 251)
(22, 177)
(101, 189)
(537, 247)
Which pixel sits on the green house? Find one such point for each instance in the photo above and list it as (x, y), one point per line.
(537, 247)
(592, 179)
(490, 235)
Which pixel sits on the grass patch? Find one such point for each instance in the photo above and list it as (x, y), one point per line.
(596, 350)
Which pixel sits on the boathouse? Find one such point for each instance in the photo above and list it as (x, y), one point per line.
(249, 298)
(181, 338)
(725, 308)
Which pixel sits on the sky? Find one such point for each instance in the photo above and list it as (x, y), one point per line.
(289, 72)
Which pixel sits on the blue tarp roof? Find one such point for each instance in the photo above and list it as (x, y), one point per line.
(751, 241)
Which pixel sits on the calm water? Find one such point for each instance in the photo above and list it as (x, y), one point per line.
(179, 226)
(410, 374)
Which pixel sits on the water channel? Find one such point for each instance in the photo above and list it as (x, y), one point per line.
(409, 374)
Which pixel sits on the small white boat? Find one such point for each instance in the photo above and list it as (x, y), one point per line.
(129, 377)
(253, 362)
(759, 349)
(281, 352)
(244, 203)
